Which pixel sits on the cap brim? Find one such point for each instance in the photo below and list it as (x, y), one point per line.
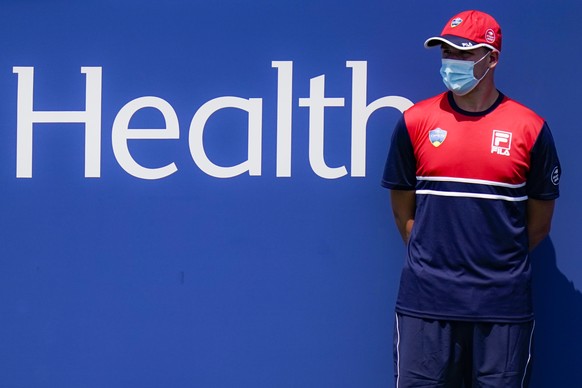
(456, 42)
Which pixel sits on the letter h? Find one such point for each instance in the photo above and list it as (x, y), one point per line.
(26, 117)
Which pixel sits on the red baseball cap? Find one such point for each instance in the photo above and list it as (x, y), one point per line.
(469, 30)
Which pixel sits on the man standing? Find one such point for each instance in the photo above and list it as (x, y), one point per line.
(473, 178)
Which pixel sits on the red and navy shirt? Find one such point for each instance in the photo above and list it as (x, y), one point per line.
(473, 174)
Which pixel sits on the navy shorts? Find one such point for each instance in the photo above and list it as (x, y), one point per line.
(455, 354)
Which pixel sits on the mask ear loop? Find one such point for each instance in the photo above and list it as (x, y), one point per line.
(483, 57)
(484, 74)
(488, 68)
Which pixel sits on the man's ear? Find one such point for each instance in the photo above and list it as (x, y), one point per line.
(493, 59)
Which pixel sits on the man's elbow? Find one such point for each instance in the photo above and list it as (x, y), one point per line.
(538, 234)
(539, 220)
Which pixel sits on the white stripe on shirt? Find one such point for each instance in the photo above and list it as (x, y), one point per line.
(471, 195)
(468, 180)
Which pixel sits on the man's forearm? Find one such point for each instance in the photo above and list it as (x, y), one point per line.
(403, 207)
(539, 219)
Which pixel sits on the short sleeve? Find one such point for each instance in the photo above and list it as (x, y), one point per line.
(400, 169)
(543, 180)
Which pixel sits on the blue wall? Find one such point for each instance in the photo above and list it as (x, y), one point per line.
(280, 274)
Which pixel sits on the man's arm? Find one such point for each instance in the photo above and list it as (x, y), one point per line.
(539, 220)
(403, 207)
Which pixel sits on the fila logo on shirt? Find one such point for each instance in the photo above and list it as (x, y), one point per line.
(501, 142)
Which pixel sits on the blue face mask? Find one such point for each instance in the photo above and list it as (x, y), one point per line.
(458, 75)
